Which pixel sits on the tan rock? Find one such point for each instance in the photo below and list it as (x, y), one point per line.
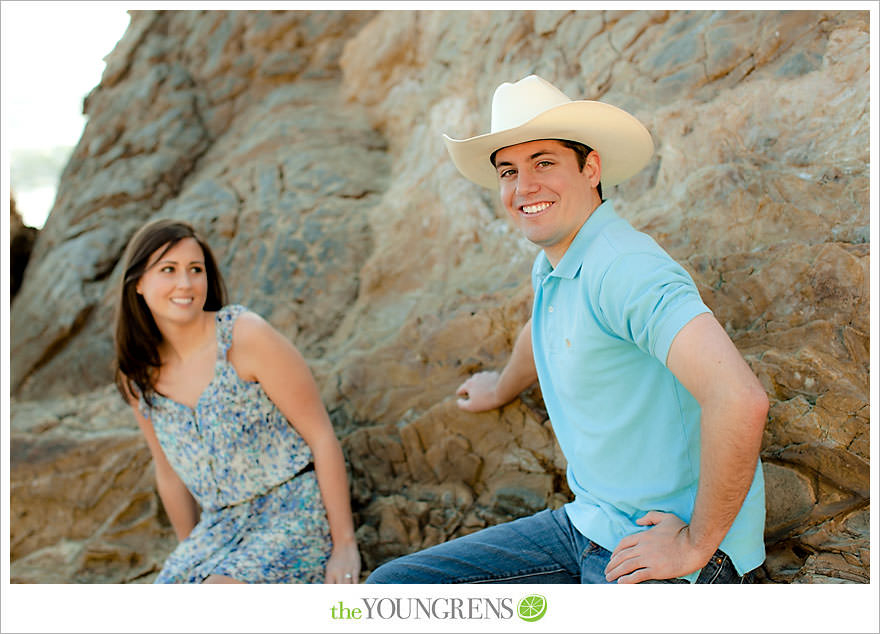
(790, 500)
(82, 494)
(828, 567)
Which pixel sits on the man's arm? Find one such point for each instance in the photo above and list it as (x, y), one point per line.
(488, 390)
(733, 413)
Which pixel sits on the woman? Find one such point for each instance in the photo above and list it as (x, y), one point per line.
(247, 464)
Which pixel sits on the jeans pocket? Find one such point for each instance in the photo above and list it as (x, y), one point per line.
(719, 569)
(676, 580)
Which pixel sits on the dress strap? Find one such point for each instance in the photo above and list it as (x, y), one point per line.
(226, 317)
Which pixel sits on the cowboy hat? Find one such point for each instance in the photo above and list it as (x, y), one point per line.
(533, 109)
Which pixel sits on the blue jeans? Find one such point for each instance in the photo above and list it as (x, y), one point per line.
(542, 548)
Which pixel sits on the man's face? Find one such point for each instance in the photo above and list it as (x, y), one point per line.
(546, 194)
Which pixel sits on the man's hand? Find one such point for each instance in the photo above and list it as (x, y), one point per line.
(479, 393)
(490, 390)
(661, 552)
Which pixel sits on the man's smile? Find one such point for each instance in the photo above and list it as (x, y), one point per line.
(534, 208)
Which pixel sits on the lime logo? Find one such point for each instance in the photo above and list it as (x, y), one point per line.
(532, 607)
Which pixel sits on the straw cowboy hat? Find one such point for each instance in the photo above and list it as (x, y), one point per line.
(533, 109)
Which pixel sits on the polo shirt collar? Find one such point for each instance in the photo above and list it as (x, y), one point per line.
(570, 264)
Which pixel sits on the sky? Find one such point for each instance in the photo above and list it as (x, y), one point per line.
(52, 58)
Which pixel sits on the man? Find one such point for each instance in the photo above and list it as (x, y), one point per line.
(658, 415)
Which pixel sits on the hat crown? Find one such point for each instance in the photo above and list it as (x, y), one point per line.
(515, 104)
(532, 109)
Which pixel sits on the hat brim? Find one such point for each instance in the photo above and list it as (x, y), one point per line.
(623, 143)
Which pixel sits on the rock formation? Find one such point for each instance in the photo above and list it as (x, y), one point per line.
(21, 242)
(307, 147)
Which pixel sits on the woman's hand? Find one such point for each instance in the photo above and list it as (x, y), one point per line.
(344, 565)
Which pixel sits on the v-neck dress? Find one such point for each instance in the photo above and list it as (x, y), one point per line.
(262, 518)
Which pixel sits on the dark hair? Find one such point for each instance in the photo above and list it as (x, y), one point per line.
(137, 336)
(581, 151)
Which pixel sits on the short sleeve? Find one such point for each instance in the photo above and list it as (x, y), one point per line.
(647, 298)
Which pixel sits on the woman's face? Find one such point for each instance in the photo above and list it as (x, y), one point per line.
(175, 285)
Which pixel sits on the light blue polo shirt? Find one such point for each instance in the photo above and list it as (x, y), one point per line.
(602, 324)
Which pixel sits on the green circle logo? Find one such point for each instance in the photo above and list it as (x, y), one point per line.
(532, 607)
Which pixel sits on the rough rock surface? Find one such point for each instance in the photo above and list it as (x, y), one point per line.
(307, 147)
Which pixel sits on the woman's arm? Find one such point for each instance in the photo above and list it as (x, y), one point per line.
(181, 507)
(262, 354)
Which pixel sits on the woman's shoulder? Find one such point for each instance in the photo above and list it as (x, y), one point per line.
(252, 340)
(247, 327)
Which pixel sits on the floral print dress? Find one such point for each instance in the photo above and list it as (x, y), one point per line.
(262, 518)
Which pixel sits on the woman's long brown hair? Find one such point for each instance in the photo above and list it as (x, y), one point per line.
(137, 336)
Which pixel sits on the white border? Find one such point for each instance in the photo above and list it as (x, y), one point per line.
(571, 608)
(139, 608)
